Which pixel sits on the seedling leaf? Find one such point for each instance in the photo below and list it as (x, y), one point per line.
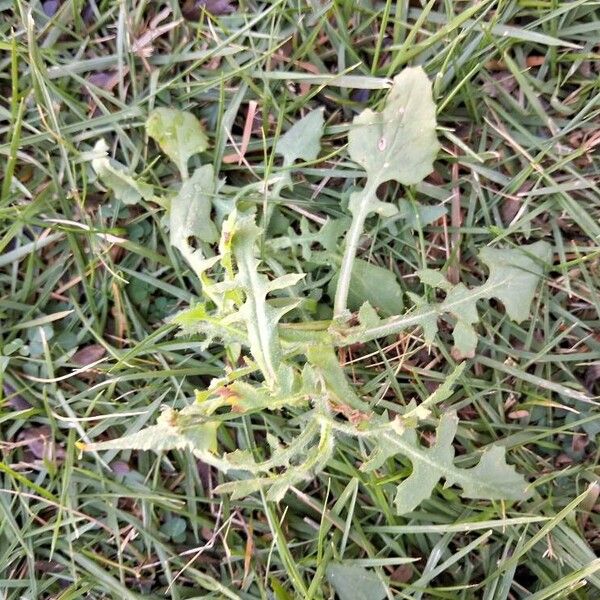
(114, 175)
(353, 582)
(179, 134)
(189, 219)
(302, 140)
(295, 365)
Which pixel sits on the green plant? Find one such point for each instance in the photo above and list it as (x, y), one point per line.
(281, 361)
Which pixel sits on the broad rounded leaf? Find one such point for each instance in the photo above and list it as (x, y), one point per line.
(178, 133)
(302, 139)
(375, 285)
(398, 143)
(353, 582)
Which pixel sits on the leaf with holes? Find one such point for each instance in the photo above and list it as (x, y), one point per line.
(399, 143)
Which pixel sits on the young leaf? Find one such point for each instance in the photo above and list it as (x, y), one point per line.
(259, 316)
(336, 384)
(302, 140)
(491, 479)
(179, 134)
(306, 462)
(326, 236)
(213, 327)
(443, 392)
(114, 176)
(375, 285)
(189, 218)
(397, 144)
(417, 215)
(353, 582)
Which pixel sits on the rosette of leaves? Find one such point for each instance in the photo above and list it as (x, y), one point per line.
(295, 365)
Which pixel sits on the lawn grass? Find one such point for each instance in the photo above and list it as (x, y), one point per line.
(87, 285)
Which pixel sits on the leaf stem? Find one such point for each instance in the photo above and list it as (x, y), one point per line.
(362, 207)
(183, 169)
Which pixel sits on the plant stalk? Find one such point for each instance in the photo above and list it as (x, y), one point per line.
(362, 208)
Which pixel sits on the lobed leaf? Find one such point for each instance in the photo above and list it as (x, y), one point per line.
(513, 279)
(199, 320)
(514, 275)
(300, 461)
(491, 479)
(259, 316)
(327, 236)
